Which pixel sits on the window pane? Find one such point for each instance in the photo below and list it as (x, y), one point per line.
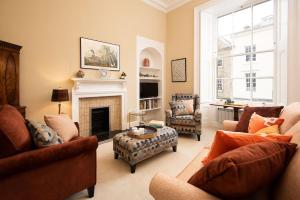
(241, 41)
(242, 20)
(263, 14)
(225, 25)
(240, 66)
(224, 67)
(263, 38)
(225, 44)
(226, 92)
(239, 90)
(264, 90)
(264, 64)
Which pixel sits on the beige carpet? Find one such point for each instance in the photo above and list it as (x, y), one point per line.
(115, 182)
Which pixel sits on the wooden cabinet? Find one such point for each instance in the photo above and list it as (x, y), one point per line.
(9, 75)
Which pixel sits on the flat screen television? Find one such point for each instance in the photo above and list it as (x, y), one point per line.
(148, 90)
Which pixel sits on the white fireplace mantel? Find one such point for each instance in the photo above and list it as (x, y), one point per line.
(85, 88)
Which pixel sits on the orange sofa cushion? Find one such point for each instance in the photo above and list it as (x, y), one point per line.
(258, 122)
(243, 123)
(226, 141)
(14, 136)
(239, 173)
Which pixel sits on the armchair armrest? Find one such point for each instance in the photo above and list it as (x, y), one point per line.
(164, 187)
(168, 113)
(229, 125)
(168, 117)
(197, 115)
(36, 158)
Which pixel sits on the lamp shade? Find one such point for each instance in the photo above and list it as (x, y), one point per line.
(59, 95)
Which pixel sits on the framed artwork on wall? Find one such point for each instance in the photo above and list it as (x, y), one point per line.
(95, 54)
(178, 70)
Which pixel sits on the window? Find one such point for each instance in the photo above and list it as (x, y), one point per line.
(248, 52)
(245, 44)
(248, 81)
(220, 85)
(220, 63)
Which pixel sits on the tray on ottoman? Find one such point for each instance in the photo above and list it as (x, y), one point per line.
(134, 150)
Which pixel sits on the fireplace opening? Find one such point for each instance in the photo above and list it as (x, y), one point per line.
(100, 122)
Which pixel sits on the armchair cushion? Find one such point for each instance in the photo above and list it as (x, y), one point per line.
(187, 120)
(14, 136)
(182, 107)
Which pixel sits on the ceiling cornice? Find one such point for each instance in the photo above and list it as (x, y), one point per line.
(160, 5)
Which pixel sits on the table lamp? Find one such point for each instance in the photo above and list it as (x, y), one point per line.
(60, 95)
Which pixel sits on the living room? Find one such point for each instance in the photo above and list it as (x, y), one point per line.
(143, 99)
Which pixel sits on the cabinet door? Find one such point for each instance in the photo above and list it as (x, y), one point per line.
(9, 72)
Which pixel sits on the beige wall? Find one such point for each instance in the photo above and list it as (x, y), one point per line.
(49, 32)
(180, 44)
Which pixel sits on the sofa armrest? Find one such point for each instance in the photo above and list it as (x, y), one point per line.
(229, 125)
(197, 115)
(40, 157)
(164, 187)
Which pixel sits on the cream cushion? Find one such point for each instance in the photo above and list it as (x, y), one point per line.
(63, 125)
(291, 115)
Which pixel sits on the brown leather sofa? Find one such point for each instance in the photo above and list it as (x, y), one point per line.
(52, 173)
(164, 187)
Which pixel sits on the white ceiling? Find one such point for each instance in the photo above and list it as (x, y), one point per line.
(166, 5)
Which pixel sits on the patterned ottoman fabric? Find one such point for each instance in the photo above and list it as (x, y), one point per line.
(135, 150)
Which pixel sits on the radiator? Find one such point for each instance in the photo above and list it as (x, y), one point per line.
(226, 114)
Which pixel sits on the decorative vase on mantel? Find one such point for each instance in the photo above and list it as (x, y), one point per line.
(80, 74)
(146, 62)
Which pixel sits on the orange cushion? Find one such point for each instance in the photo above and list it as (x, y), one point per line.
(242, 172)
(258, 122)
(268, 130)
(226, 141)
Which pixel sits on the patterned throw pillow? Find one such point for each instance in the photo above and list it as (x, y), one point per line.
(182, 107)
(258, 122)
(43, 136)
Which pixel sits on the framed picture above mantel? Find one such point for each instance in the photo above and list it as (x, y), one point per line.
(96, 54)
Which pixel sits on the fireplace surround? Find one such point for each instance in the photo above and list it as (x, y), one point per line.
(91, 93)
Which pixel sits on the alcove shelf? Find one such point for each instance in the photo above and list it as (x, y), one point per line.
(154, 51)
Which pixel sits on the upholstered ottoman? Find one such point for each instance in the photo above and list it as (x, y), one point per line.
(136, 150)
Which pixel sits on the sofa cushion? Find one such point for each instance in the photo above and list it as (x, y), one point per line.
(291, 115)
(243, 123)
(63, 125)
(14, 136)
(42, 135)
(244, 171)
(269, 130)
(258, 122)
(225, 141)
